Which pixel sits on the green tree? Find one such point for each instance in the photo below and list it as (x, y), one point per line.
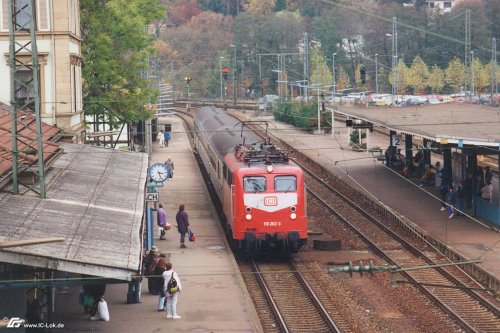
(402, 76)
(435, 80)
(320, 73)
(481, 76)
(115, 49)
(454, 74)
(418, 75)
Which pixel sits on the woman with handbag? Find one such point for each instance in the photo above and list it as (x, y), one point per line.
(171, 288)
(182, 224)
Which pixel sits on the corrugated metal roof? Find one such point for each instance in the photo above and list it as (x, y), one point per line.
(95, 200)
(26, 142)
(450, 122)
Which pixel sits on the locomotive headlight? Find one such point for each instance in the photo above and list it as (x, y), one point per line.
(293, 216)
(293, 209)
(248, 209)
(269, 168)
(248, 217)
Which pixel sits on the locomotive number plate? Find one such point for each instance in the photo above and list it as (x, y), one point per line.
(270, 201)
(272, 224)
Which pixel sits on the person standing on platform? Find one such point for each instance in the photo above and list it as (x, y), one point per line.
(150, 261)
(487, 192)
(158, 281)
(166, 138)
(161, 221)
(182, 224)
(172, 294)
(468, 191)
(443, 191)
(161, 138)
(170, 164)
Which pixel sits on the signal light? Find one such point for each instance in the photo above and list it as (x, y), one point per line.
(362, 74)
(225, 70)
(187, 79)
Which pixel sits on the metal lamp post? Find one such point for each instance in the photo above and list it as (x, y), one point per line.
(234, 74)
(376, 73)
(220, 72)
(334, 90)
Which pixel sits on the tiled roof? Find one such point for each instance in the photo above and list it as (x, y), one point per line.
(26, 142)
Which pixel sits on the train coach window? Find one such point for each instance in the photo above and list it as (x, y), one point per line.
(285, 183)
(254, 184)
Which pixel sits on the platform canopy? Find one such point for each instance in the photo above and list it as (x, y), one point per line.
(95, 201)
(453, 123)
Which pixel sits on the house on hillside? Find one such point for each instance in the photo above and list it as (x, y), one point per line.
(443, 6)
(58, 41)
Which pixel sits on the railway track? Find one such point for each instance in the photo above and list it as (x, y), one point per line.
(471, 306)
(474, 309)
(453, 290)
(285, 300)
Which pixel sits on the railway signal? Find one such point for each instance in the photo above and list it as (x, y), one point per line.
(362, 74)
(187, 79)
(225, 71)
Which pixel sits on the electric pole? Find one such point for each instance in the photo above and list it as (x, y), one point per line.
(467, 60)
(21, 21)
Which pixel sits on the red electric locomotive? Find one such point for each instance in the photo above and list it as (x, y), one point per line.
(262, 192)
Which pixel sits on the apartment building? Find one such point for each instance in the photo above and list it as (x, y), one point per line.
(58, 41)
(443, 6)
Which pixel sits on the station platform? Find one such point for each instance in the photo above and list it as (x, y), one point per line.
(469, 237)
(213, 299)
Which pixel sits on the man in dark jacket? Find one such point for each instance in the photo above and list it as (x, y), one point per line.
(182, 224)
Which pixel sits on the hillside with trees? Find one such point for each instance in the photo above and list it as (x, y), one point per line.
(430, 44)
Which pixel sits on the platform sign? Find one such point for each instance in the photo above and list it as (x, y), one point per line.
(396, 140)
(152, 197)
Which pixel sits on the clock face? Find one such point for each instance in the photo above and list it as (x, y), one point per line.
(158, 172)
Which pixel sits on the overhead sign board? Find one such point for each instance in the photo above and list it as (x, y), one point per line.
(152, 197)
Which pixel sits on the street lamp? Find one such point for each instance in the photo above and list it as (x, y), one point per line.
(473, 85)
(376, 73)
(394, 36)
(334, 90)
(220, 71)
(234, 74)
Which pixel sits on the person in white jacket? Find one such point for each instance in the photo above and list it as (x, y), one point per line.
(171, 294)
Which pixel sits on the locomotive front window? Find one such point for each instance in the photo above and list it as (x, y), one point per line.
(285, 183)
(254, 184)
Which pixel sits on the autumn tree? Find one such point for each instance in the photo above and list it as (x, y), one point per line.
(402, 76)
(418, 75)
(481, 76)
(199, 50)
(454, 74)
(320, 73)
(343, 81)
(264, 7)
(435, 80)
(181, 11)
(115, 50)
